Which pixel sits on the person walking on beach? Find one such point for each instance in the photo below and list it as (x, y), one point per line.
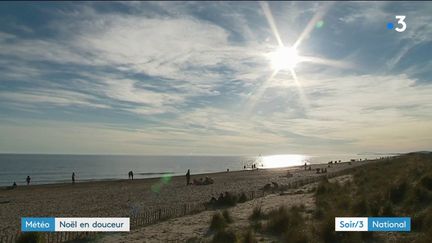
(188, 177)
(131, 175)
(28, 180)
(73, 177)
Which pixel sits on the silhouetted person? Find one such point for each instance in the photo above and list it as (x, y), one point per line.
(28, 180)
(14, 185)
(188, 177)
(73, 177)
(130, 175)
(244, 167)
(305, 166)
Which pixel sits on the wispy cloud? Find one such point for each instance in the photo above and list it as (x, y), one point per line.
(50, 97)
(156, 76)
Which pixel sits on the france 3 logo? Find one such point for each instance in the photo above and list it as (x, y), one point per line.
(400, 22)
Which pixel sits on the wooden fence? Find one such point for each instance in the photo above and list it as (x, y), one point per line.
(158, 215)
(52, 237)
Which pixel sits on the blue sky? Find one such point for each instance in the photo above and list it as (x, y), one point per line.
(193, 78)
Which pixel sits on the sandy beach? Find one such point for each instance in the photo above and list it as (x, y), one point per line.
(197, 226)
(122, 197)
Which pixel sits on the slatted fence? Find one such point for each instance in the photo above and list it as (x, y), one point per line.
(164, 213)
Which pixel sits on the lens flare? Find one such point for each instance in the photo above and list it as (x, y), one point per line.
(164, 180)
(319, 24)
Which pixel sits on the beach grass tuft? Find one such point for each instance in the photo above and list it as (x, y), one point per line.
(249, 237)
(227, 216)
(31, 237)
(287, 223)
(257, 213)
(243, 198)
(225, 236)
(217, 222)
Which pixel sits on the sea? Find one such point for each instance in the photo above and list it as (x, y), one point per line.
(58, 168)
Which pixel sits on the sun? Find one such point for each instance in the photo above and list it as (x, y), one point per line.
(284, 58)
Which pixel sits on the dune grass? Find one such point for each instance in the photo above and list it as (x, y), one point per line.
(400, 186)
(227, 216)
(217, 222)
(396, 187)
(31, 237)
(288, 224)
(257, 214)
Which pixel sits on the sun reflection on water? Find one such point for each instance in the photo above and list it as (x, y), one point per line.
(283, 160)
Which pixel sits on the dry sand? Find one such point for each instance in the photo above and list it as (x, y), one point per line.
(121, 197)
(196, 226)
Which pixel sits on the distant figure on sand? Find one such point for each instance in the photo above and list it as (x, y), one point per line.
(73, 177)
(188, 177)
(28, 180)
(305, 166)
(130, 175)
(14, 185)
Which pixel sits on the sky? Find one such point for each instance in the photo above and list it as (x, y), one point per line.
(191, 78)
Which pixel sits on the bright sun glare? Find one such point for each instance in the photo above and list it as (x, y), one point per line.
(284, 58)
(283, 160)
